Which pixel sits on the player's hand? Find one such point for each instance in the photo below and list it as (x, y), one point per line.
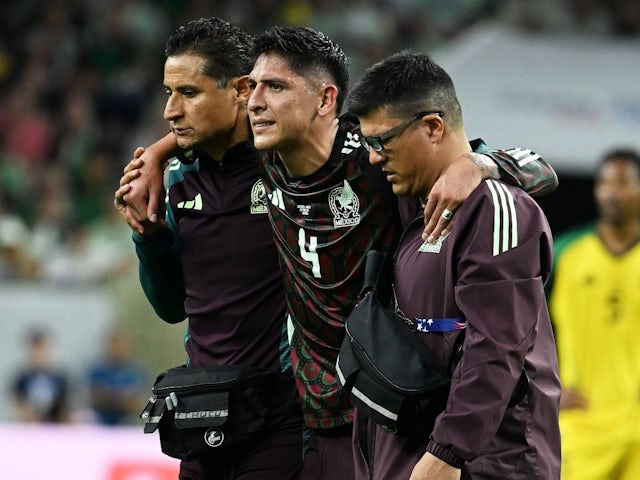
(134, 164)
(131, 199)
(449, 192)
(430, 467)
(142, 227)
(146, 197)
(121, 208)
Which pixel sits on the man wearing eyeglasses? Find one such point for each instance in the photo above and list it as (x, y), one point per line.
(490, 272)
(376, 142)
(327, 208)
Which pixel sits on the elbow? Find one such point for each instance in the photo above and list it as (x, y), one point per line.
(548, 185)
(170, 315)
(551, 185)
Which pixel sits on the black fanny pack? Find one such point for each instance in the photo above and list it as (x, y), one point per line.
(204, 412)
(389, 374)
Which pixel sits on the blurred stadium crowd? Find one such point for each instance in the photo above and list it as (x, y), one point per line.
(80, 84)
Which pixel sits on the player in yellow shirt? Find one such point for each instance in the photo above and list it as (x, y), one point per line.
(595, 307)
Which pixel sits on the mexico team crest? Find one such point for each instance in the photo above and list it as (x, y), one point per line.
(427, 247)
(345, 206)
(258, 198)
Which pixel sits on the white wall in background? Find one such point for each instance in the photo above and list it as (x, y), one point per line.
(569, 98)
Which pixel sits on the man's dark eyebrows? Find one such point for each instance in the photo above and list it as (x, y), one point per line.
(268, 81)
(183, 87)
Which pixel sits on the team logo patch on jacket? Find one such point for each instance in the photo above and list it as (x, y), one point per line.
(258, 198)
(427, 247)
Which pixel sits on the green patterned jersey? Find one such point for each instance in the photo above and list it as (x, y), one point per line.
(324, 224)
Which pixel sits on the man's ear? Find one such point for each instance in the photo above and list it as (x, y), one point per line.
(435, 126)
(241, 87)
(328, 99)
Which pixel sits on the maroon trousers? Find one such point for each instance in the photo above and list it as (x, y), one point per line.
(275, 456)
(329, 455)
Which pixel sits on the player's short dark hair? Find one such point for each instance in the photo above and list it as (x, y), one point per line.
(307, 52)
(626, 154)
(406, 83)
(225, 48)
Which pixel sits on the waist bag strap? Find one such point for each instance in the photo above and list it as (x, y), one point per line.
(426, 325)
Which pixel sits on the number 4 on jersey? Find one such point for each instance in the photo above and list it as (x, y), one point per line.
(309, 255)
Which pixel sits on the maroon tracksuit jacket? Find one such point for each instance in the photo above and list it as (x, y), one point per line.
(489, 272)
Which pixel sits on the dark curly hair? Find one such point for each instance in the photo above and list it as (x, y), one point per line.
(225, 48)
(308, 52)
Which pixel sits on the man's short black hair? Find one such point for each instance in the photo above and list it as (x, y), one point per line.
(406, 83)
(308, 52)
(225, 48)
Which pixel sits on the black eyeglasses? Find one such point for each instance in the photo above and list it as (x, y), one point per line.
(376, 142)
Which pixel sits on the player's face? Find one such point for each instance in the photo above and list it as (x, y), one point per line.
(200, 114)
(406, 158)
(282, 105)
(617, 191)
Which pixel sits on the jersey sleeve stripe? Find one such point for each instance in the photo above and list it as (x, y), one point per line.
(505, 220)
(496, 218)
(523, 155)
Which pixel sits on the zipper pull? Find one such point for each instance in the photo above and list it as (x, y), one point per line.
(147, 409)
